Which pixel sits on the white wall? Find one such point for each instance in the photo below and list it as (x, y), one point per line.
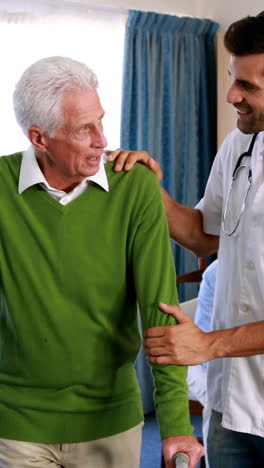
(227, 11)
(222, 11)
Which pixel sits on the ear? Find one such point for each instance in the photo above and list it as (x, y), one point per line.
(38, 138)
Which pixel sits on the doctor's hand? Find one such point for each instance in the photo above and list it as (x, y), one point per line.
(186, 444)
(125, 160)
(184, 343)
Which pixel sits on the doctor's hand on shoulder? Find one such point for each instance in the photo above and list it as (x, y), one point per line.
(125, 160)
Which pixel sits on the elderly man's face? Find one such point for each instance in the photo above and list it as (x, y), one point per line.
(75, 151)
(247, 91)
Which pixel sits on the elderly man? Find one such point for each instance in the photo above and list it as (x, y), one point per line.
(232, 210)
(80, 245)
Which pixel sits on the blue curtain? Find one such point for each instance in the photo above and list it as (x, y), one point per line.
(169, 106)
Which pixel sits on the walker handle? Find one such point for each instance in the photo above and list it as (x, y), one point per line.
(181, 460)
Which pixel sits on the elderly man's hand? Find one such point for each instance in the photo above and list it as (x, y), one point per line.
(183, 343)
(186, 444)
(125, 160)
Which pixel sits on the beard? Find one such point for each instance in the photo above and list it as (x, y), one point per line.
(254, 124)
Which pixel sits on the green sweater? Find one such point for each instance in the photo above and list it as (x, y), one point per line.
(70, 278)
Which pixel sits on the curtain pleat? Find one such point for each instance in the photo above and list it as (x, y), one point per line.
(169, 105)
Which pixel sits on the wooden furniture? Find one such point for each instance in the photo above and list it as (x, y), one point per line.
(193, 276)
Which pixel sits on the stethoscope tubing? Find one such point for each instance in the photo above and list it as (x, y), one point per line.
(238, 166)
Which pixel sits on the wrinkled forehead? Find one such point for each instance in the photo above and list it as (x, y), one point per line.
(82, 105)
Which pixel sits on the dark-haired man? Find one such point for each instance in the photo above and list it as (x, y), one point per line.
(231, 214)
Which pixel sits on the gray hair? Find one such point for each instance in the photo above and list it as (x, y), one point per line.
(39, 92)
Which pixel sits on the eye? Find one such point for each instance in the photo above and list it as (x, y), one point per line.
(247, 86)
(85, 128)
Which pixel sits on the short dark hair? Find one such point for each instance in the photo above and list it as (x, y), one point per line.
(246, 36)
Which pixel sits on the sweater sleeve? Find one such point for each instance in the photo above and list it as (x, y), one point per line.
(155, 280)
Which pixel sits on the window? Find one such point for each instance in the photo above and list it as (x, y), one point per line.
(97, 40)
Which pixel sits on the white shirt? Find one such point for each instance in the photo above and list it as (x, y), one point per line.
(236, 385)
(197, 375)
(31, 174)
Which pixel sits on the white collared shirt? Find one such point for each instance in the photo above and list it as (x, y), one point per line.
(236, 385)
(31, 174)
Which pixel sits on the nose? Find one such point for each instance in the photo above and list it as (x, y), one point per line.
(99, 140)
(234, 95)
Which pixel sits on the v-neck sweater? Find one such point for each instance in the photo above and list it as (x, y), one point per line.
(70, 279)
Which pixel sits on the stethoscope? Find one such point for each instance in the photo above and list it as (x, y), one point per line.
(238, 167)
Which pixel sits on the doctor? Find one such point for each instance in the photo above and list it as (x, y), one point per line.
(230, 215)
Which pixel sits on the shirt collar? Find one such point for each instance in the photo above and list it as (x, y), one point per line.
(31, 174)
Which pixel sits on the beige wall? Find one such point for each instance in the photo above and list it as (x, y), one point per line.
(224, 11)
(226, 115)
